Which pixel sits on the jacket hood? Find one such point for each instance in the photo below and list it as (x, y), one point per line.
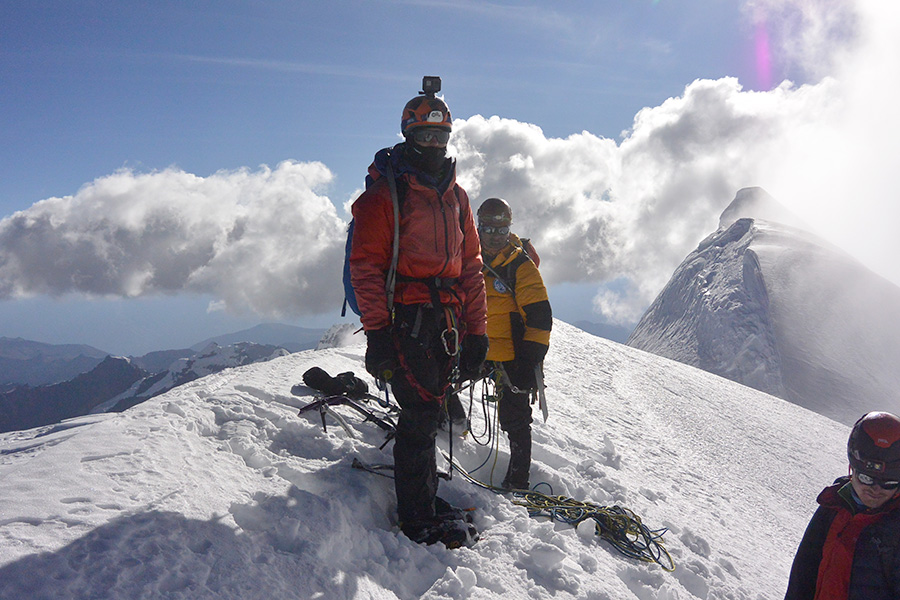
(400, 166)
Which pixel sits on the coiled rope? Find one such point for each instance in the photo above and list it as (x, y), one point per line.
(619, 526)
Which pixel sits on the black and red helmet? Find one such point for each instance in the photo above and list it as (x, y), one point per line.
(425, 111)
(874, 446)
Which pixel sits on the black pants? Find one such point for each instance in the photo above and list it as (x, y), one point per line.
(514, 414)
(418, 330)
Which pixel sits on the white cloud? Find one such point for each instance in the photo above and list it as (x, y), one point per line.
(599, 210)
(257, 240)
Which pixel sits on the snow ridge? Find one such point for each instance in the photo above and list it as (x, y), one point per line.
(218, 489)
(714, 313)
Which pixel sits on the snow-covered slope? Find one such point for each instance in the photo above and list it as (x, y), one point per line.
(218, 489)
(779, 309)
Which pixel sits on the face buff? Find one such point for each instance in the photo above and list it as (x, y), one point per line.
(429, 159)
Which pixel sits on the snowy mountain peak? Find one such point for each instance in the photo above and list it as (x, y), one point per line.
(341, 334)
(781, 310)
(757, 203)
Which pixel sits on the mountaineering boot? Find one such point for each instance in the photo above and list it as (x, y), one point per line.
(519, 462)
(452, 533)
(445, 511)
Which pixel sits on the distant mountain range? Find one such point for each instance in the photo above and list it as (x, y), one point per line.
(42, 383)
(27, 407)
(118, 383)
(289, 337)
(25, 362)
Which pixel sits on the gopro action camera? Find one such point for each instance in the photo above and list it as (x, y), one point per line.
(431, 85)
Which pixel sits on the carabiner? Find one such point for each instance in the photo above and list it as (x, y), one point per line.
(453, 338)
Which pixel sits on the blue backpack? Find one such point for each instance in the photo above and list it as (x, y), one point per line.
(349, 292)
(391, 279)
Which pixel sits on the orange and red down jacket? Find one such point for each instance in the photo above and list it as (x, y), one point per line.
(438, 238)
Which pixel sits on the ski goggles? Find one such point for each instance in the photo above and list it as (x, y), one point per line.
(492, 229)
(869, 481)
(425, 135)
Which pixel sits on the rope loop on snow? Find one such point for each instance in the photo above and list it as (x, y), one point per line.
(619, 526)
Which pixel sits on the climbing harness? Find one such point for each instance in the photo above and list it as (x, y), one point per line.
(536, 394)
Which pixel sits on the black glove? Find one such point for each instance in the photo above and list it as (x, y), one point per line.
(531, 353)
(528, 356)
(381, 355)
(474, 350)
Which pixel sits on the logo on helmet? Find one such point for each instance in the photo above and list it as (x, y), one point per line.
(874, 465)
(435, 116)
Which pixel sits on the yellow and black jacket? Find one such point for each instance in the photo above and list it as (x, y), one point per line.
(518, 307)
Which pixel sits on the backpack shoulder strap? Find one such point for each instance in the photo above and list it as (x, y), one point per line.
(391, 280)
(508, 279)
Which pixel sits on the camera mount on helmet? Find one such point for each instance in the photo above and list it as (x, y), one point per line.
(426, 109)
(431, 85)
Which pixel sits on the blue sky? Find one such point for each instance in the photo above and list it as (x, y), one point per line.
(94, 86)
(166, 91)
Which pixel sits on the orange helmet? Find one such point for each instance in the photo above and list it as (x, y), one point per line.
(425, 111)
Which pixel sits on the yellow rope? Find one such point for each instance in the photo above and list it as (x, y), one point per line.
(619, 526)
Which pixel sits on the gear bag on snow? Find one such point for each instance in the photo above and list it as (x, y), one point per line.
(346, 384)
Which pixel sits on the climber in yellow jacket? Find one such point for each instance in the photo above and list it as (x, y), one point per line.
(518, 327)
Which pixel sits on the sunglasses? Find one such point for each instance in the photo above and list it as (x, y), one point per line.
(424, 135)
(870, 481)
(491, 229)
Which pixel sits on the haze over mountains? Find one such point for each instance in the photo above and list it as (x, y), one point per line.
(25, 362)
(773, 306)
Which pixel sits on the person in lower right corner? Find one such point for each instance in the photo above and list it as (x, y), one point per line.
(851, 547)
(518, 327)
